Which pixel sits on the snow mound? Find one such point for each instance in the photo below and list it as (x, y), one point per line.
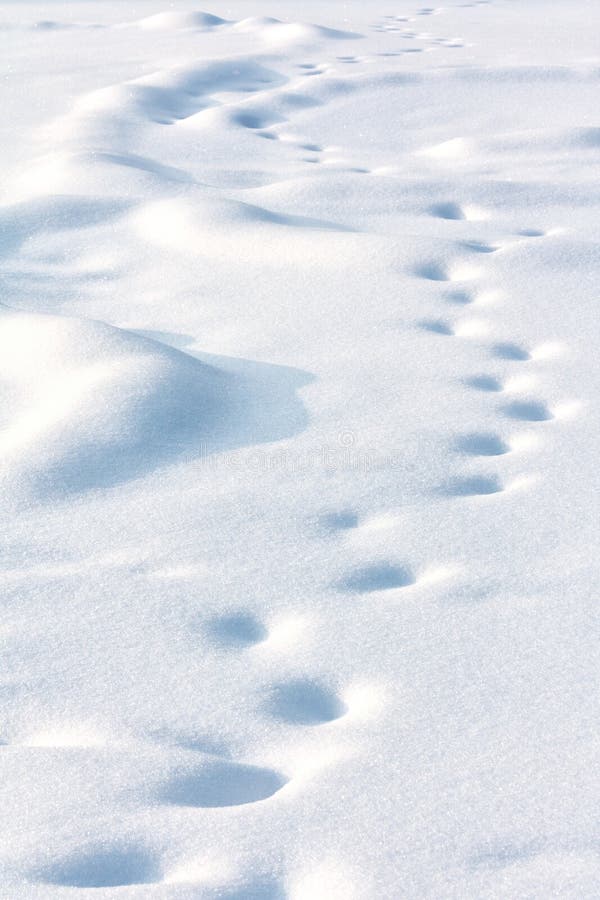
(290, 33)
(181, 20)
(107, 119)
(86, 173)
(216, 228)
(254, 22)
(86, 404)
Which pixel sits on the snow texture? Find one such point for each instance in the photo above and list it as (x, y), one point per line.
(299, 375)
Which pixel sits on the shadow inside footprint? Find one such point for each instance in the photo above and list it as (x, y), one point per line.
(510, 351)
(252, 120)
(436, 326)
(484, 383)
(480, 247)
(531, 232)
(460, 297)
(528, 411)
(220, 783)
(377, 577)
(476, 485)
(340, 521)
(481, 444)
(104, 867)
(447, 211)
(432, 272)
(237, 630)
(303, 702)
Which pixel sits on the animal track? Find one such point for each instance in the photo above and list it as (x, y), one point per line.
(458, 271)
(219, 783)
(485, 383)
(340, 521)
(103, 867)
(480, 247)
(510, 352)
(304, 702)
(467, 328)
(460, 297)
(237, 630)
(253, 120)
(482, 444)
(474, 485)
(448, 211)
(436, 326)
(529, 411)
(377, 577)
(432, 272)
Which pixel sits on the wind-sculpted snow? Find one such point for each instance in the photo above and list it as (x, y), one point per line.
(299, 423)
(87, 405)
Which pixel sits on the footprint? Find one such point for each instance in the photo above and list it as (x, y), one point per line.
(485, 383)
(462, 298)
(531, 232)
(253, 120)
(436, 326)
(103, 867)
(482, 444)
(448, 210)
(218, 783)
(473, 486)
(340, 521)
(237, 630)
(304, 702)
(481, 247)
(529, 411)
(377, 577)
(510, 351)
(432, 272)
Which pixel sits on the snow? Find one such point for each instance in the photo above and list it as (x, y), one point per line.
(299, 379)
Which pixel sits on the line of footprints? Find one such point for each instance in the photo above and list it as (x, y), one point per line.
(520, 404)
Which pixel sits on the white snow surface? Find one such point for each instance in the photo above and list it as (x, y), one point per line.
(300, 489)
